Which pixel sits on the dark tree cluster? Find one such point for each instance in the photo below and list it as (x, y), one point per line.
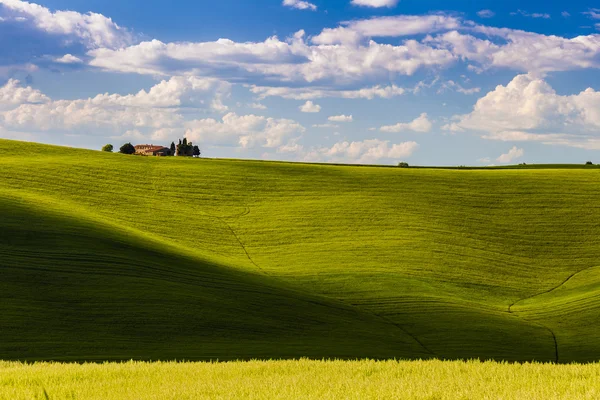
(127, 148)
(186, 149)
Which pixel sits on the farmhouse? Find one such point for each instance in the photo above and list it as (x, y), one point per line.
(152, 150)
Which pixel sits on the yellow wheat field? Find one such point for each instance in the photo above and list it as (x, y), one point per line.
(301, 379)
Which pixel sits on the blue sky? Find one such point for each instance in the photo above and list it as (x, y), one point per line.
(358, 81)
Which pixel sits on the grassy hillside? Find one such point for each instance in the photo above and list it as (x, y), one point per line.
(106, 256)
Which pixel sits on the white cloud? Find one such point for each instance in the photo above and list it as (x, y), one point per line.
(528, 109)
(444, 86)
(375, 3)
(342, 57)
(486, 14)
(175, 92)
(367, 151)
(531, 15)
(565, 14)
(402, 25)
(310, 107)
(325, 126)
(257, 106)
(132, 134)
(68, 59)
(385, 92)
(341, 118)
(300, 5)
(593, 13)
(246, 131)
(291, 147)
(420, 124)
(512, 155)
(109, 114)
(523, 51)
(291, 61)
(12, 93)
(347, 56)
(92, 29)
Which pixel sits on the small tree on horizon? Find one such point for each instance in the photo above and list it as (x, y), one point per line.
(127, 148)
(173, 148)
(108, 148)
(196, 151)
(589, 163)
(403, 164)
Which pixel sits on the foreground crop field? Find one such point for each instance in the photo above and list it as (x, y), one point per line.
(112, 257)
(301, 379)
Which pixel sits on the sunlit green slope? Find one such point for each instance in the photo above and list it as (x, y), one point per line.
(112, 256)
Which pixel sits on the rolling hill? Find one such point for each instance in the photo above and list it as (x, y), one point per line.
(112, 257)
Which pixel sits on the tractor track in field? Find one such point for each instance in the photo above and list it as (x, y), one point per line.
(381, 317)
(235, 235)
(510, 306)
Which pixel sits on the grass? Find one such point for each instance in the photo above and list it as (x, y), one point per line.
(300, 379)
(112, 257)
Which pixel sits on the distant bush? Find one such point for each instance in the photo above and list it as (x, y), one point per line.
(108, 148)
(523, 164)
(403, 165)
(127, 148)
(589, 163)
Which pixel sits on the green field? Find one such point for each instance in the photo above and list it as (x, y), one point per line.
(300, 379)
(112, 257)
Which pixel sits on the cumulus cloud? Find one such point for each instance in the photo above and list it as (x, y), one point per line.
(341, 118)
(338, 58)
(349, 55)
(154, 114)
(13, 93)
(375, 3)
(300, 5)
(524, 51)
(367, 151)
(273, 59)
(529, 109)
(246, 131)
(68, 59)
(420, 124)
(91, 29)
(310, 107)
(146, 111)
(512, 155)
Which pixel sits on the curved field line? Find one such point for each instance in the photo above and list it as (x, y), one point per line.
(510, 311)
(549, 290)
(556, 358)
